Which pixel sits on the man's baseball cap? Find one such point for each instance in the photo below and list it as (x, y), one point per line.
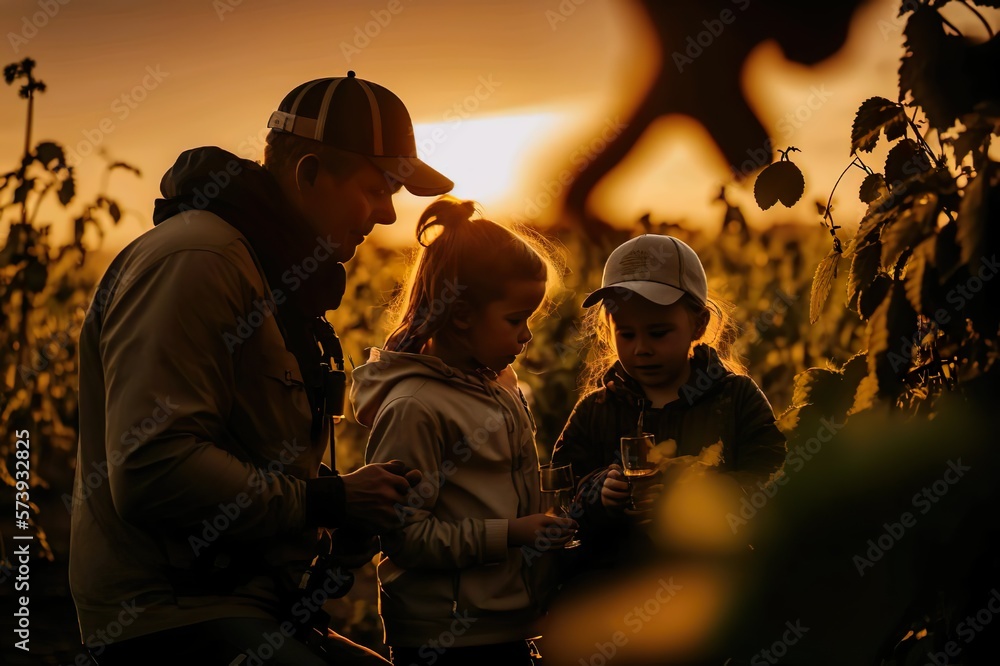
(360, 117)
(658, 268)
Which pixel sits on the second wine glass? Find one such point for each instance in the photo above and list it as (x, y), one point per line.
(558, 487)
(635, 461)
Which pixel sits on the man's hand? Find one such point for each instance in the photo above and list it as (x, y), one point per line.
(375, 493)
(542, 528)
(614, 491)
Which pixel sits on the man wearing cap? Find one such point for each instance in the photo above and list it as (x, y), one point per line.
(199, 497)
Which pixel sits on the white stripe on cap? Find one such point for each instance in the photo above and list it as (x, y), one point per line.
(376, 117)
(300, 96)
(321, 119)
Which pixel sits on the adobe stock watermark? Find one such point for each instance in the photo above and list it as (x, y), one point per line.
(257, 481)
(695, 45)
(121, 108)
(365, 34)
(635, 620)
(223, 7)
(454, 116)
(924, 500)
(101, 638)
(795, 460)
(958, 297)
(580, 158)
(31, 25)
(791, 121)
(562, 12)
(779, 648)
(434, 480)
(91, 480)
(897, 21)
(293, 277)
(433, 649)
(967, 630)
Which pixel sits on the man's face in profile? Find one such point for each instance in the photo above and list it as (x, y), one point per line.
(348, 209)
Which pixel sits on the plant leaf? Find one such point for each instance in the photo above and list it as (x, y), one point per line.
(815, 385)
(920, 278)
(864, 268)
(869, 299)
(873, 187)
(48, 152)
(67, 191)
(865, 396)
(874, 115)
(904, 161)
(822, 283)
(781, 181)
(912, 226)
(972, 220)
(933, 69)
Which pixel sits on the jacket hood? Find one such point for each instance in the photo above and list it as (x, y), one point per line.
(247, 196)
(372, 381)
(708, 375)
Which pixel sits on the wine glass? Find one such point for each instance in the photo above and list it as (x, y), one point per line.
(557, 492)
(635, 461)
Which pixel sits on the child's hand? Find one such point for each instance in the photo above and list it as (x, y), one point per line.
(541, 529)
(645, 501)
(614, 492)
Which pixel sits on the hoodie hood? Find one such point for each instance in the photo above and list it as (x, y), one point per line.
(247, 196)
(708, 375)
(372, 381)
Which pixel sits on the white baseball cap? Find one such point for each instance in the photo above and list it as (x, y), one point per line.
(659, 268)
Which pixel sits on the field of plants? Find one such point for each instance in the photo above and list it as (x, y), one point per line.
(874, 339)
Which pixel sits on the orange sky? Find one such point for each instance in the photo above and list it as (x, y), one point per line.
(165, 77)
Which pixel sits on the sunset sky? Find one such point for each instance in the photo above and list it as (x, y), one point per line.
(521, 90)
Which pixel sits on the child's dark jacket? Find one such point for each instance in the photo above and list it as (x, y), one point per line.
(715, 404)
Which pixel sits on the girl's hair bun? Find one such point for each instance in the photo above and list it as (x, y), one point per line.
(444, 214)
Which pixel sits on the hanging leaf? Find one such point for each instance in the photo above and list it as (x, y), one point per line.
(913, 225)
(864, 268)
(891, 335)
(826, 273)
(920, 278)
(852, 373)
(933, 69)
(67, 191)
(815, 385)
(973, 139)
(865, 396)
(872, 188)
(947, 254)
(874, 115)
(869, 299)
(47, 152)
(781, 181)
(868, 230)
(972, 217)
(904, 161)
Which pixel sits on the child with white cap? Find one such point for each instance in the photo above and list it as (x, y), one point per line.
(650, 371)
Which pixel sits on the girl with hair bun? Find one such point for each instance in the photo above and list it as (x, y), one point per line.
(460, 581)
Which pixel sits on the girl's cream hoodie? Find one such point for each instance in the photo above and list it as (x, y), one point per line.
(448, 573)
